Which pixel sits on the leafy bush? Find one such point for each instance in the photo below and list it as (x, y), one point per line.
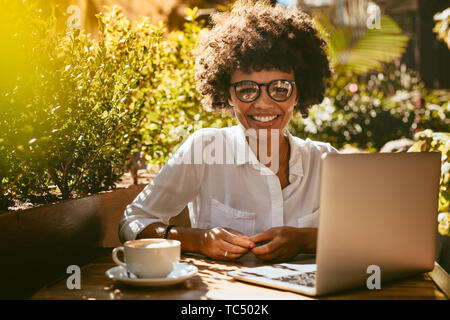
(174, 109)
(372, 109)
(436, 113)
(441, 26)
(73, 116)
(428, 140)
(22, 63)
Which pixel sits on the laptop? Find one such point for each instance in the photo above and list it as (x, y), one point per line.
(377, 223)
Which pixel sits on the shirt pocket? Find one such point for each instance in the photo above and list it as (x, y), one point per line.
(225, 216)
(309, 221)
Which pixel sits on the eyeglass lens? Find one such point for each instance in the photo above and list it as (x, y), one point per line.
(278, 90)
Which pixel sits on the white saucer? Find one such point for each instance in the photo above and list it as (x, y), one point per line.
(181, 272)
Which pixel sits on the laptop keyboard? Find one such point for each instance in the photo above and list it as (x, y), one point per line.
(307, 279)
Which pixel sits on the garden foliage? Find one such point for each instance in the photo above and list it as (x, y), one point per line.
(427, 141)
(369, 110)
(174, 108)
(69, 121)
(74, 107)
(73, 115)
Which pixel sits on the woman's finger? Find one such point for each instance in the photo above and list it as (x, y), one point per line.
(227, 251)
(230, 256)
(263, 236)
(232, 248)
(277, 254)
(237, 240)
(271, 246)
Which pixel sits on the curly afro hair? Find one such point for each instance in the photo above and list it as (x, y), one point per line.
(257, 36)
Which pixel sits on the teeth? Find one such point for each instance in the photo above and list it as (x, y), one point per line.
(264, 119)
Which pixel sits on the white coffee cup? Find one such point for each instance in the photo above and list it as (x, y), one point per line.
(149, 258)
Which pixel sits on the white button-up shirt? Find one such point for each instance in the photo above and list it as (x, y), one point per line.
(238, 192)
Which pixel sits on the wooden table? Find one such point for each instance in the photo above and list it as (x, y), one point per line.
(212, 282)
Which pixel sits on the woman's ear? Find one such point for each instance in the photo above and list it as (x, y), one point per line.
(229, 100)
(295, 102)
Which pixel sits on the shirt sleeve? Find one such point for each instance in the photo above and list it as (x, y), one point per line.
(167, 194)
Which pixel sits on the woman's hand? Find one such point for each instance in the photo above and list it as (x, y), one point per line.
(216, 243)
(284, 243)
(225, 244)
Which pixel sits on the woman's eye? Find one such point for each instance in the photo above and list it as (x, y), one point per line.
(246, 90)
(281, 91)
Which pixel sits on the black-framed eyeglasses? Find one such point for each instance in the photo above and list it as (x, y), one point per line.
(248, 91)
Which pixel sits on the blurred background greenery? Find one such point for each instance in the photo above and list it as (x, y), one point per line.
(89, 92)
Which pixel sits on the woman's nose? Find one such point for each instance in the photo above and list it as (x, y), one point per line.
(264, 101)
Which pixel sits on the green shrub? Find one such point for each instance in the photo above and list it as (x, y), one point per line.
(427, 141)
(22, 64)
(369, 110)
(73, 118)
(174, 109)
(436, 113)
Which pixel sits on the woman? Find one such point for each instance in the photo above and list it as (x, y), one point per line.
(253, 183)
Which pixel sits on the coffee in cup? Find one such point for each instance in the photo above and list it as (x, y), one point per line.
(149, 258)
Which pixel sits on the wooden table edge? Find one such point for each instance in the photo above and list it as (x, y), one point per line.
(441, 278)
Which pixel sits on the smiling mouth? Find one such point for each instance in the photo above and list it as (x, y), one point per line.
(264, 118)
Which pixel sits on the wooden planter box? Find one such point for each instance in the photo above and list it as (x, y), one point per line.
(38, 244)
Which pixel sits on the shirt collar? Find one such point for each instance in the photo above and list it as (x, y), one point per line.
(244, 154)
